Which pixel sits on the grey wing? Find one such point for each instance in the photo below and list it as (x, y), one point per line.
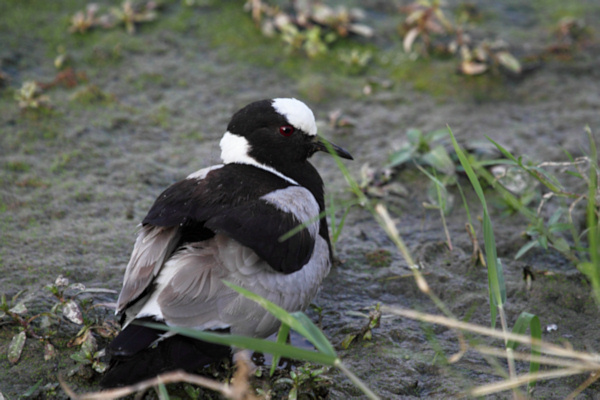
(153, 246)
(191, 293)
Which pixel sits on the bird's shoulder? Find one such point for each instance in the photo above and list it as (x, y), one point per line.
(211, 190)
(251, 205)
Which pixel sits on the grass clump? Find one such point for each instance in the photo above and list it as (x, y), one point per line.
(560, 230)
(64, 319)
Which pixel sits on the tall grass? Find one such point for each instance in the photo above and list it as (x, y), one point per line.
(587, 259)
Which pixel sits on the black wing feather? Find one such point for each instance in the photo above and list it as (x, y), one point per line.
(228, 201)
(260, 226)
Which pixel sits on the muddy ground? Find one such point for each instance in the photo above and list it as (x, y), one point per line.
(151, 107)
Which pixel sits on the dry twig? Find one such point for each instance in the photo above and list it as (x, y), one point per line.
(238, 390)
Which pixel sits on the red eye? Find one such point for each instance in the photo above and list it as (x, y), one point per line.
(286, 130)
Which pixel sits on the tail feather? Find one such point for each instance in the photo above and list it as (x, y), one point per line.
(173, 353)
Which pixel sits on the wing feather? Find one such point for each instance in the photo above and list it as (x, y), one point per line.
(151, 249)
(191, 292)
(239, 201)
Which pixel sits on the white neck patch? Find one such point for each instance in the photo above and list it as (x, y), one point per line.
(297, 113)
(236, 149)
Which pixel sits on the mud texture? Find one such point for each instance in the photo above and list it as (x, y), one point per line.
(76, 179)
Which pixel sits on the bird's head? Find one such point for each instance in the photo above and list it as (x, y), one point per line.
(278, 133)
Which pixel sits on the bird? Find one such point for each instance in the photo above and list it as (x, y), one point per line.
(226, 222)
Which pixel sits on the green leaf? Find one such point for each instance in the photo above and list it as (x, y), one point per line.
(348, 341)
(526, 248)
(80, 357)
(317, 338)
(509, 62)
(414, 136)
(20, 308)
(32, 389)
(593, 271)
(297, 321)
(439, 159)
(497, 289)
(543, 240)
(538, 173)
(162, 392)
(559, 227)
(505, 152)
(555, 217)
(436, 135)
(561, 245)
(586, 268)
(15, 348)
(533, 322)
(245, 342)
(401, 156)
(282, 336)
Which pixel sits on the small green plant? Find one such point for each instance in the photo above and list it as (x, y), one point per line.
(366, 332)
(30, 96)
(572, 35)
(303, 380)
(82, 21)
(426, 19)
(310, 26)
(485, 56)
(356, 60)
(337, 226)
(88, 354)
(496, 286)
(313, 41)
(424, 149)
(129, 14)
(440, 199)
(379, 258)
(558, 231)
(68, 305)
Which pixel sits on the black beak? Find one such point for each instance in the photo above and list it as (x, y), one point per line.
(321, 144)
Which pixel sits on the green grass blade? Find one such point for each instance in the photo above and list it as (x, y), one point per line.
(162, 392)
(497, 289)
(357, 382)
(354, 186)
(318, 338)
(282, 336)
(401, 156)
(531, 244)
(442, 196)
(300, 227)
(439, 159)
(297, 321)
(505, 152)
(533, 322)
(500, 285)
(245, 342)
(464, 161)
(465, 204)
(593, 270)
(329, 210)
(542, 176)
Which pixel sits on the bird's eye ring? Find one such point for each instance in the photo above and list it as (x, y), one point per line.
(286, 130)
